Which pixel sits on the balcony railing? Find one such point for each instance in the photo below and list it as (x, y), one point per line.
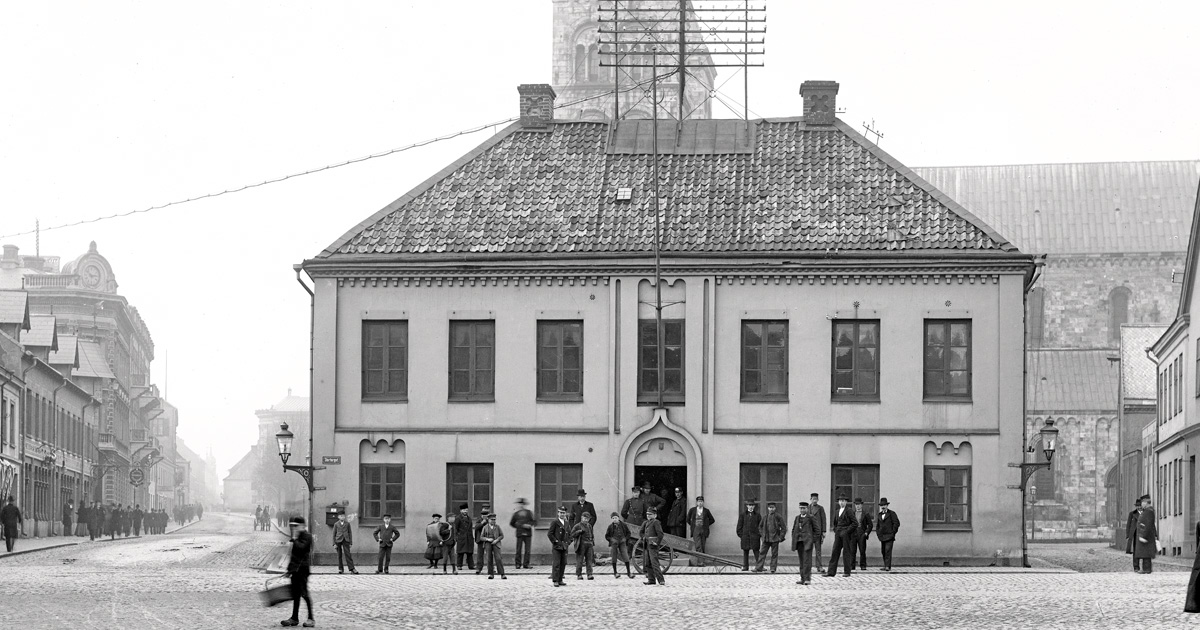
(51, 281)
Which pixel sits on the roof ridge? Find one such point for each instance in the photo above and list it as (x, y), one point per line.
(1190, 161)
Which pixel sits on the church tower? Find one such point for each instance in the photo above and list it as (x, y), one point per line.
(578, 75)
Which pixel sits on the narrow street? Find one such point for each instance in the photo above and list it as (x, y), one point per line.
(201, 577)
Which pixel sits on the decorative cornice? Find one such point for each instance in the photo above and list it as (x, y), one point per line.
(924, 432)
(1146, 259)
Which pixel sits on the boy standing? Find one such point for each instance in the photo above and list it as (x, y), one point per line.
(617, 536)
(585, 542)
(651, 535)
(385, 535)
(490, 536)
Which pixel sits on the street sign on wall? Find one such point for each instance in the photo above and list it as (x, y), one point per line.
(137, 476)
(331, 460)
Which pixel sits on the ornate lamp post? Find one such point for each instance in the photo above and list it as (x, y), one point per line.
(285, 438)
(1048, 438)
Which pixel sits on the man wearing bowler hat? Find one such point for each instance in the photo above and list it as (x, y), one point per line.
(886, 528)
(522, 523)
(580, 507)
(864, 525)
(747, 532)
(843, 537)
(464, 537)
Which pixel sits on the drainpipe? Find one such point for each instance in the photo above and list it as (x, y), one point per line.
(312, 306)
(24, 415)
(54, 496)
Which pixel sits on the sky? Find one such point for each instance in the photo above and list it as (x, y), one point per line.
(118, 106)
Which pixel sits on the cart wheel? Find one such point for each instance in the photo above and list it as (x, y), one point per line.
(665, 556)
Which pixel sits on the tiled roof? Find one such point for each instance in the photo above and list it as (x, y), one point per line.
(802, 189)
(1072, 208)
(1071, 380)
(291, 404)
(67, 353)
(14, 308)
(42, 332)
(1139, 377)
(91, 361)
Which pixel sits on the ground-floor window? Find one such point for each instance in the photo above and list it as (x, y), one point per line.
(763, 484)
(382, 487)
(557, 484)
(948, 496)
(856, 482)
(470, 484)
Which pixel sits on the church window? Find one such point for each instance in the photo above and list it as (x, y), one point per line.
(1118, 312)
(580, 63)
(1036, 329)
(593, 64)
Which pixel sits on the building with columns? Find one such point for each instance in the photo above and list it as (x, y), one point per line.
(491, 334)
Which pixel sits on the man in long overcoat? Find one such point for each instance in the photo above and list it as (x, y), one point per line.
(464, 537)
(677, 515)
(580, 507)
(1145, 547)
(480, 545)
(11, 522)
(68, 513)
(1131, 529)
(559, 534)
(747, 531)
(886, 528)
(864, 526)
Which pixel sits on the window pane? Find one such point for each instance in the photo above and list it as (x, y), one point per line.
(958, 358)
(572, 383)
(957, 476)
(674, 381)
(649, 336)
(960, 383)
(549, 359)
(396, 358)
(483, 358)
(461, 334)
(485, 334)
(395, 492)
(844, 382)
(935, 513)
(776, 359)
(934, 334)
(483, 474)
(573, 335)
(458, 474)
(777, 335)
(460, 358)
(752, 335)
(867, 334)
(571, 358)
(957, 513)
(844, 335)
(673, 333)
(867, 383)
(934, 385)
(461, 382)
(960, 334)
(548, 381)
(484, 382)
(935, 494)
(935, 357)
(843, 360)
(673, 357)
(774, 474)
(374, 382)
(751, 358)
(373, 492)
(956, 495)
(551, 335)
(374, 335)
(398, 334)
(374, 358)
(650, 357)
(752, 382)
(649, 381)
(866, 359)
(843, 477)
(935, 477)
(775, 383)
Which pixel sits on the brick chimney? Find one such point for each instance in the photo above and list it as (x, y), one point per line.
(820, 101)
(537, 104)
(10, 259)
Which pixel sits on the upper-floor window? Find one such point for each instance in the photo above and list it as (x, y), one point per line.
(948, 358)
(672, 360)
(1036, 330)
(385, 360)
(856, 359)
(560, 360)
(1118, 312)
(473, 360)
(765, 360)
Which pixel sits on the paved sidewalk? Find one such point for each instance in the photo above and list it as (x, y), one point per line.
(31, 545)
(606, 570)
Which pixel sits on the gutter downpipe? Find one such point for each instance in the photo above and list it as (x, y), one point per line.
(53, 447)
(24, 416)
(312, 307)
(1034, 276)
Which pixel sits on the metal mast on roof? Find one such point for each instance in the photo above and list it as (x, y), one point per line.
(696, 32)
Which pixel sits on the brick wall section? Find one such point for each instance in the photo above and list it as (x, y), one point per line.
(1087, 449)
(1077, 290)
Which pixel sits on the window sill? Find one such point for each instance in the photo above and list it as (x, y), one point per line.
(666, 402)
(961, 400)
(382, 399)
(854, 399)
(366, 522)
(471, 400)
(765, 399)
(561, 401)
(950, 527)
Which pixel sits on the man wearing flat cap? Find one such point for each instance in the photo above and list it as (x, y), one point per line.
(700, 519)
(490, 536)
(773, 531)
(580, 507)
(804, 533)
(650, 537)
(844, 532)
(480, 546)
(634, 509)
(560, 536)
(677, 515)
(886, 528)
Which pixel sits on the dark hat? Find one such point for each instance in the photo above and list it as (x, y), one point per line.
(387, 516)
(484, 511)
(857, 501)
(652, 510)
(804, 504)
(678, 489)
(645, 485)
(842, 497)
(751, 501)
(298, 520)
(1145, 497)
(587, 515)
(883, 501)
(582, 492)
(521, 500)
(562, 508)
(771, 504)
(700, 498)
(814, 495)
(491, 517)
(615, 514)
(635, 488)
(464, 507)
(436, 515)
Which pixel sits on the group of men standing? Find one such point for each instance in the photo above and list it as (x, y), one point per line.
(93, 520)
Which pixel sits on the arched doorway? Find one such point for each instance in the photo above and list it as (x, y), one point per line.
(665, 455)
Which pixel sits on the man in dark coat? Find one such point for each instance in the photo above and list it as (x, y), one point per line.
(634, 512)
(886, 528)
(464, 537)
(491, 535)
(385, 534)
(560, 536)
(773, 531)
(11, 522)
(1145, 547)
(1131, 529)
(343, 540)
(700, 520)
(522, 523)
(864, 525)
(96, 521)
(650, 537)
(677, 515)
(651, 499)
(137, 520)
(299, 567)
(844, 533)
(817, 511)
(480, 545)
(68, 512)
(580, 507)
(748, 532)
(84, 517)
(804, 533)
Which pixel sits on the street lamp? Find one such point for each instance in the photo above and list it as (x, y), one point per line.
(1048, 438)
(285, 438)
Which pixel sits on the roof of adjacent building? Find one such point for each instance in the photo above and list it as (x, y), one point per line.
(14, 308)
(1190, 264)
(289, 404)
(67, 353)
(1069, 379)
(92, 363)
(799, 188)
(42, 333)
(1081, 208)
(245, 468)
(1139, 376)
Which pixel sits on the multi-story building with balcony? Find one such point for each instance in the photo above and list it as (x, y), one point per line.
(493, 334)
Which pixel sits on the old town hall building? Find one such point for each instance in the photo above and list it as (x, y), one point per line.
(832, 323)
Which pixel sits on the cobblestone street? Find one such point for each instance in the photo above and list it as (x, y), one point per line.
(201, 577)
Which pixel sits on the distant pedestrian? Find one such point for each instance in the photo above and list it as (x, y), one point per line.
(12, 522)
(773, 531)
(864, 526)
(464, 537)
(585, 546)
(617, 536)
(522, 523)
(299, 567)
(1131, 530)
(433, 541)
(805, 532)
(701, 521)
(343, 540)
(491, 535)
(83, 518)
(886, 528)
(843, 542)
(817, 511)
(748, 532)
(137, 520)
(258, 517)
(1192, 605)
(1146, 546)
(68, 513)
(650, 538)
(559, 535)
(385, 535)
